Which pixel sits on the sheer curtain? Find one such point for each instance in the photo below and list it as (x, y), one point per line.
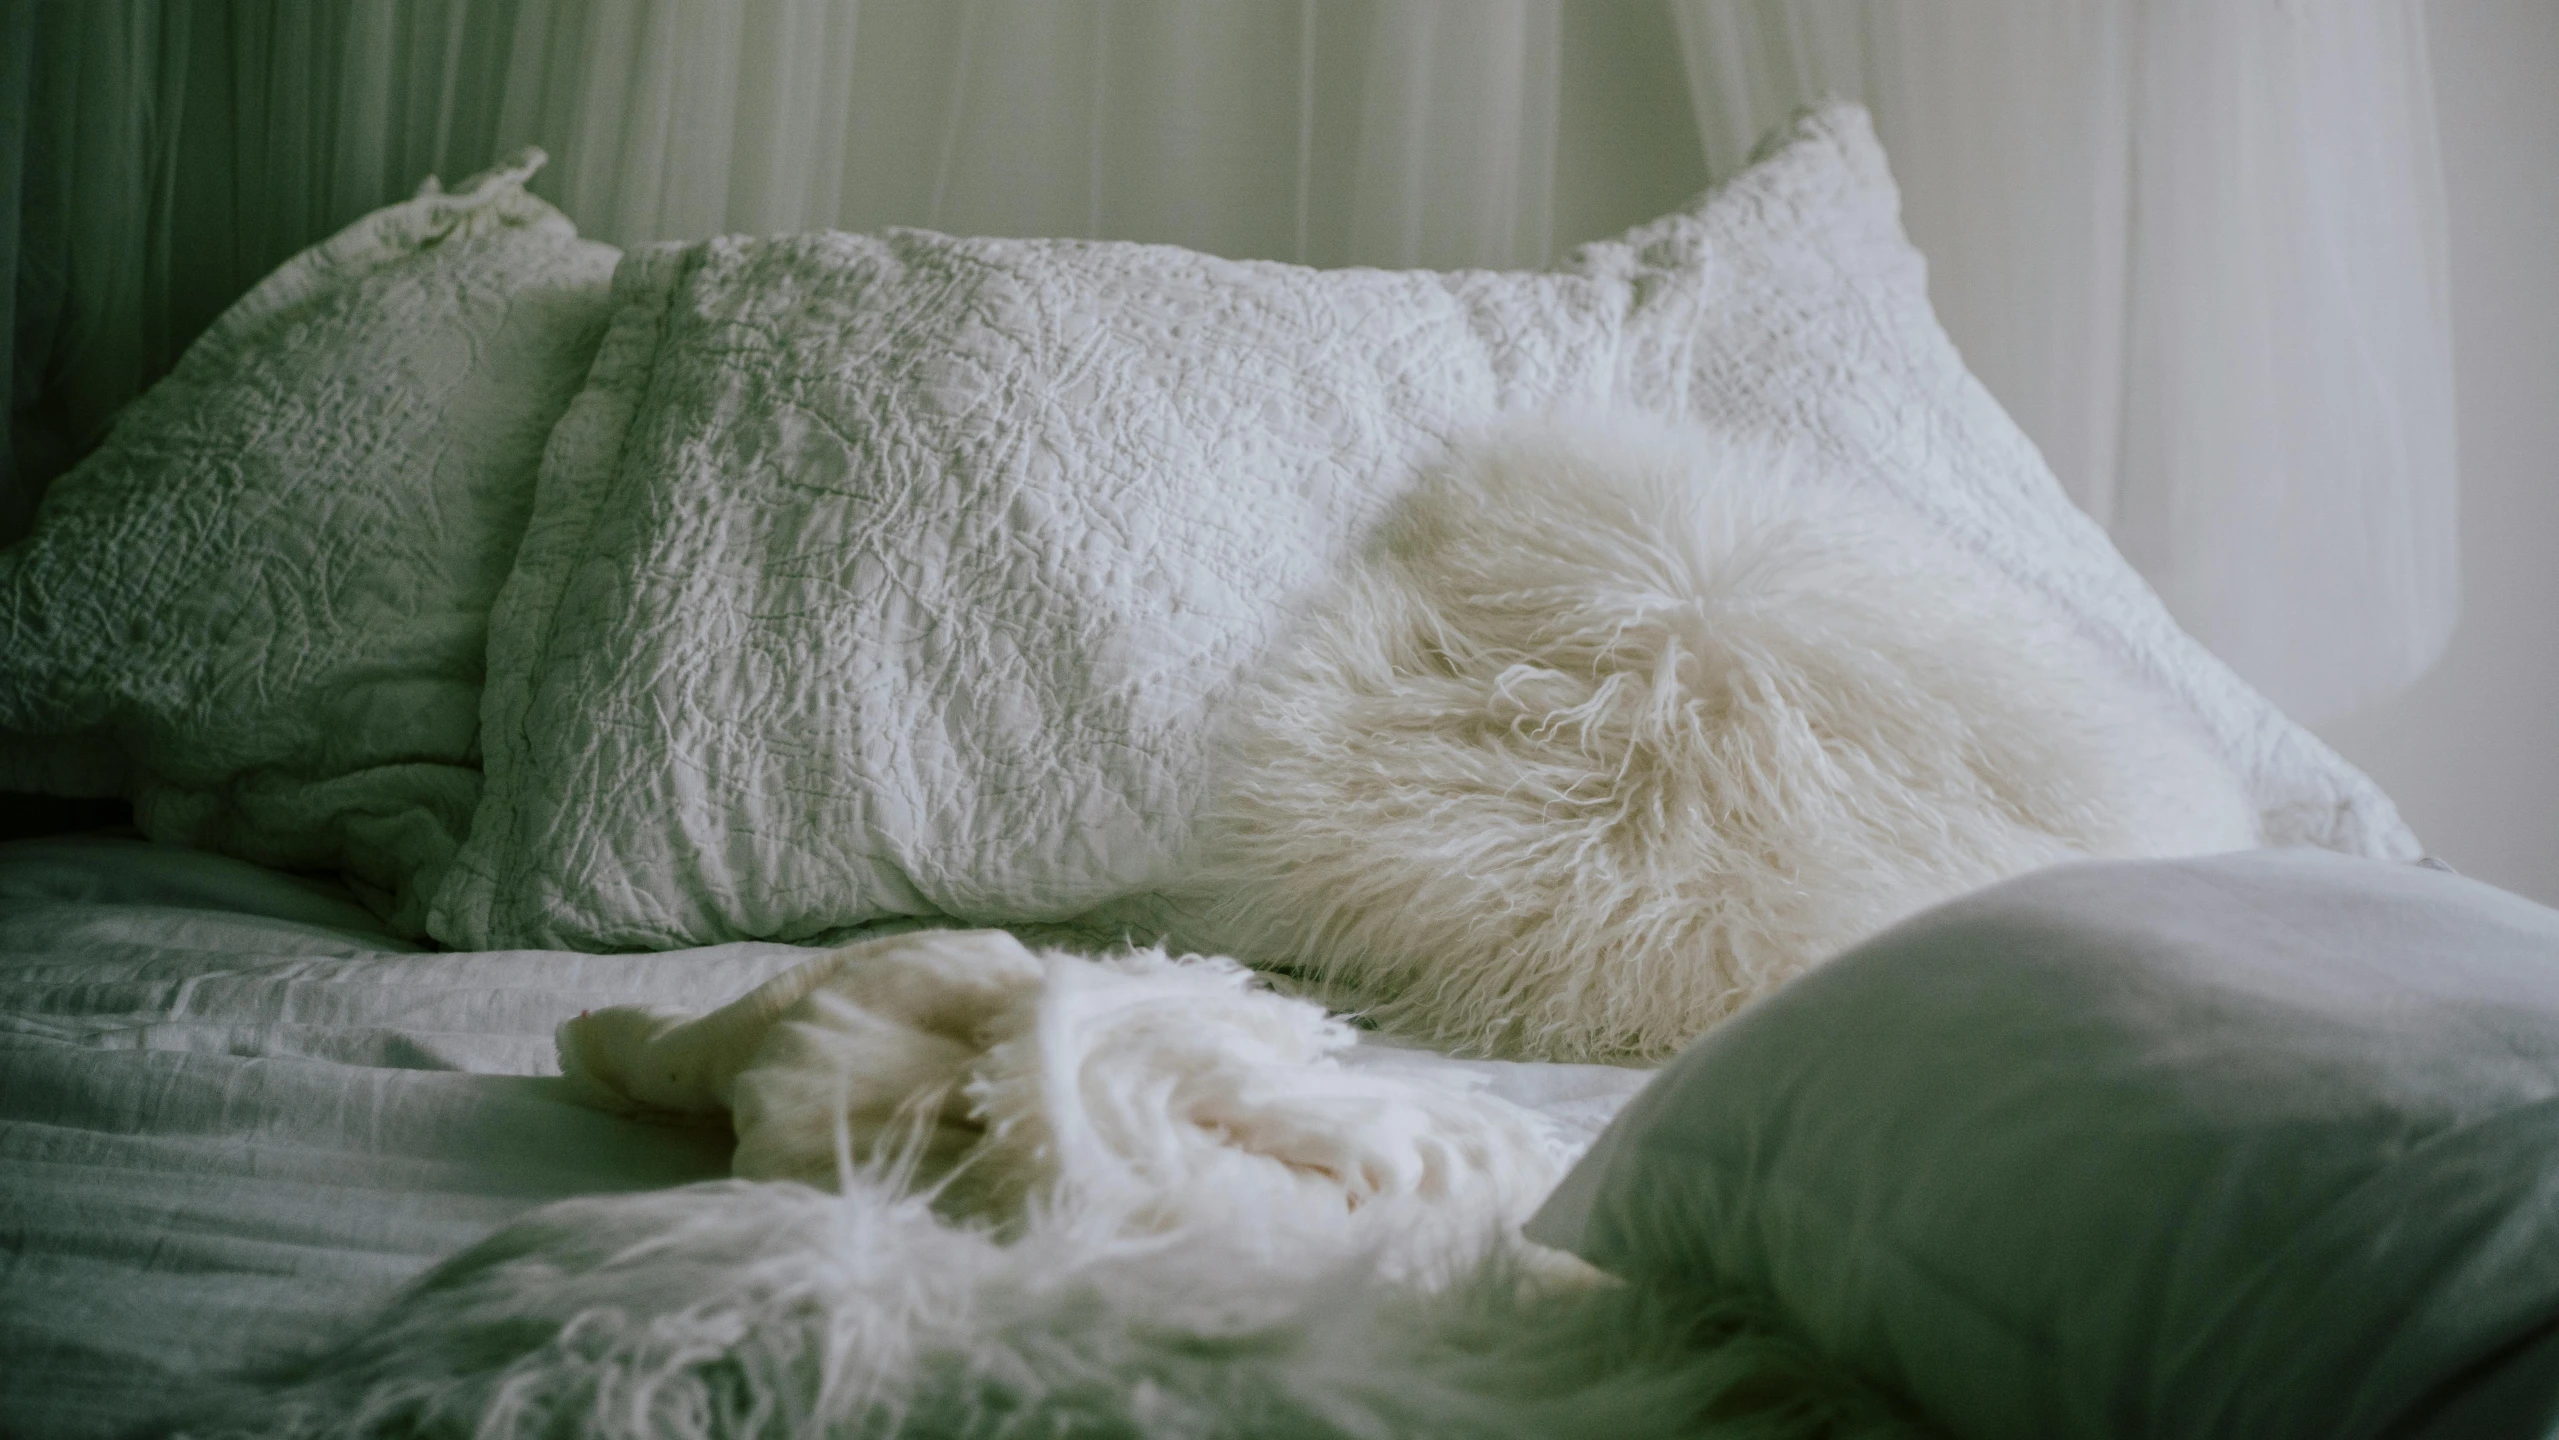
(165, 156)
(2194, 245)
(1394, 132)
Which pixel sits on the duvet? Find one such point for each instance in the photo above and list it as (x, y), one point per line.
(236, 1117)
(2246, 1145)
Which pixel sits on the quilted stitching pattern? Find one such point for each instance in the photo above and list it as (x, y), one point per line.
(260, 608)
(902, 574)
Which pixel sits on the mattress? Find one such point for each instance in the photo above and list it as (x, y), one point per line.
(236, 1116)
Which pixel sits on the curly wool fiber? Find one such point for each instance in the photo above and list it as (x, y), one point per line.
(1621, 724)
(1163, 1093)
(732, 1310)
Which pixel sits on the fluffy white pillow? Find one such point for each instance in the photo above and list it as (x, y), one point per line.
(1622, 724)
(260, 609)
(904, 575)
(2260, 1145)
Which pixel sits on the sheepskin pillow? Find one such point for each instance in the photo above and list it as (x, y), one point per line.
(260, 609)
(904, 575)
(2257, 1146)
(1622, 724)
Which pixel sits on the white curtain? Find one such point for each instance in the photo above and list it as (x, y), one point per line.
(162, 155)
(2194, 245)
(1402, 132)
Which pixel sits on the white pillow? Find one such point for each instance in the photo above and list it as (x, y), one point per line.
(260, 608)
(2261, 1145)
(902, 575)
(1619, 724)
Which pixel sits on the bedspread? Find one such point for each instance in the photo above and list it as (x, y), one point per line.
(235, 1117)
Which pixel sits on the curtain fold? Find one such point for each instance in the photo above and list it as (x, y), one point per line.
(168, 154)
(2195, 246)
(2197, 249)
(1391, 132)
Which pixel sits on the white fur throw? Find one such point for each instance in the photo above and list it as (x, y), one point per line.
(731, 1311)
(1621, 724)
(1167, 1094)
(1181, 1217)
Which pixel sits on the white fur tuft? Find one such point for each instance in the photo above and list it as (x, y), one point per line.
(735, 1310)
(1622, 724)
(1167, 1095)
(1181, 1216)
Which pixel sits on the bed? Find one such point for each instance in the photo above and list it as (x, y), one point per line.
(241, 1116)
(493, 632)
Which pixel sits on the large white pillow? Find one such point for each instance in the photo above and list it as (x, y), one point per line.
(903, 575)
(260, 609)
(2261, 1145)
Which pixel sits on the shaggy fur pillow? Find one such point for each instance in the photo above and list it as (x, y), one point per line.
(1620, 725)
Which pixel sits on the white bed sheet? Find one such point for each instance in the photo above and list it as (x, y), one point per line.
(235, 1116)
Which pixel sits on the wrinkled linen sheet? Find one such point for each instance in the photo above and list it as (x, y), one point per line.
(236, 1116)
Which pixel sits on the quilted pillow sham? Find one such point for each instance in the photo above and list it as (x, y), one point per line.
(259, 610)
(903, 575)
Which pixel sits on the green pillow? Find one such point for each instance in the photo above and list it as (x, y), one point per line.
(2261, 1145)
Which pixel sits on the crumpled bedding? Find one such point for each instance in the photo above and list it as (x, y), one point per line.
(235, 1117)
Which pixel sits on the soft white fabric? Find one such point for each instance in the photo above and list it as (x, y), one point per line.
(1168, 1095)
(902, 575)
(1619, 725)
(2197, 250)
(261, 609)
(234, 1121)
(2260, 1145)
(101, 869)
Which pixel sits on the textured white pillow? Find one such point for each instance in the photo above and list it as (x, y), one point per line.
(902, 575)
(2260, 1145)
(1621, 724)
(260, 608)
(896, 575)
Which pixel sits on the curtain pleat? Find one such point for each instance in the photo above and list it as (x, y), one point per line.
(19, 25)
(2195, 246)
